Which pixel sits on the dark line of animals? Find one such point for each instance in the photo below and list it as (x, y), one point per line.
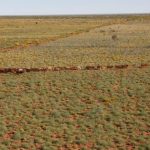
(98, 67)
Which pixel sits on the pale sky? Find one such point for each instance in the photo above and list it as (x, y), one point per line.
(54, 7)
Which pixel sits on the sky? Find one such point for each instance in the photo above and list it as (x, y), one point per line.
(61, 7)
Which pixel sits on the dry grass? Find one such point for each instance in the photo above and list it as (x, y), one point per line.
(20, 33)
(88, 48)
(68, 110)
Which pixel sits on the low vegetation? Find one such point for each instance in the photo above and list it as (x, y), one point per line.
(75, 110)
(82, 109)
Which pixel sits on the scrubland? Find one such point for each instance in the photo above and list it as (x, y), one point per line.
(81, 109)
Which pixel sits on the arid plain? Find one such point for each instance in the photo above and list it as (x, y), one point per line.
(75, 83)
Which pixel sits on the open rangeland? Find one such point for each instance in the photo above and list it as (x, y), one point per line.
(75, 83)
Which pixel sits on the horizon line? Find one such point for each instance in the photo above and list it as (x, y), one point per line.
(84, 14)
